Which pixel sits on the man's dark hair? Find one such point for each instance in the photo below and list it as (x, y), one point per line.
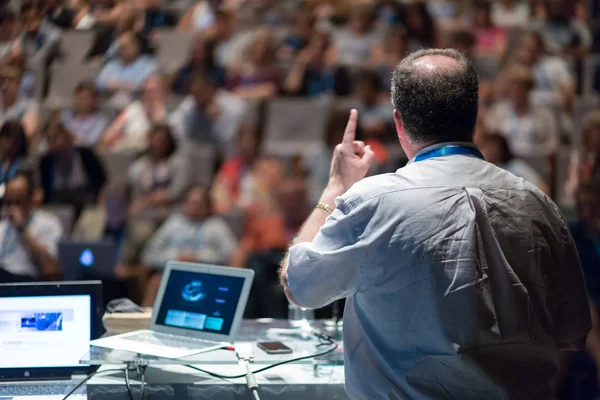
(86, 86)
(27, 174)
(440, 105)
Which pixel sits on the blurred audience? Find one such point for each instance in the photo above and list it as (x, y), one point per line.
(13, 105)
(155, 16)
(264, 244)
(421, 27)
(314, 71)
(39, 38)
(490, 40)
(376, 112)
(562, 32)
(354, 43)
(585, 162)
(28, 236)
(531, 131)
(193, 235)
(17, 58)
(13, 150)
(85, 121)
(130, 129)
(202, 59)
(257, 76)
(129, 70)
(302, 34)
(70, 175)
(160, 177)
(386, 56)
(510, 13)
(232, 177)
(209, 114)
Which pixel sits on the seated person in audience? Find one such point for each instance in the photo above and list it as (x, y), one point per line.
(17, 58)
(130, 129)
(193, 235)
(354, 43)
(376, 112)
(84, 120)
(490, 40)
(202, 59)
(40, 38)
(562, 32)
(70, 174)
(495, 150)
(385, 57)
(585, 162)
(257, 76)
(315, 72)
(264, 244)
(13, 105)
(129, 70)
(13, 150)
(297, 40)
(9, 30)
(28, 236)
(420, 26)
(554, 82)
(231, 177)
(209, 114)
(59, 15)
(510, 13)
(200, 17)
(531, 131)
(160, 177)
(106, 37)
(155, 17)
(229, 45)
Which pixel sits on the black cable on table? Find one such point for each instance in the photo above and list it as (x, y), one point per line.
(90, 376)
(215, 375)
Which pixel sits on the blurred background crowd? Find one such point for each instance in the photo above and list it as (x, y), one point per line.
(203, 130)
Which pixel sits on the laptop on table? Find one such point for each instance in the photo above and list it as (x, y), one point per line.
(198, 309)
(45, 328)
(79, 259)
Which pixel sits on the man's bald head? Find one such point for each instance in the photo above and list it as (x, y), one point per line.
(435, 93)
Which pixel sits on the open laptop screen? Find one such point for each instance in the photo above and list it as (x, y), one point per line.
(44, 331)
(200, 301)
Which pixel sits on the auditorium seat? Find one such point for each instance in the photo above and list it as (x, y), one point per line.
(295, 125)
(66, 215)
(202, 161)
(173, 47)
(64, 79)
(74, 45)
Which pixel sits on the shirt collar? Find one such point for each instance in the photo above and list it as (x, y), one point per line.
(439, 146)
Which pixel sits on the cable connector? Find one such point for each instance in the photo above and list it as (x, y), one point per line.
(244, 352)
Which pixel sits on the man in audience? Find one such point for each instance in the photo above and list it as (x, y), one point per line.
(13, 105)
(209, 114)
(129, 70)
(264, 243)
(40, 38)
(28, 236)
(194, 235)
(84, 120)
(562, 32)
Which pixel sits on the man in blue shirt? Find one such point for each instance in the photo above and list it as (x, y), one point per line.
(462, 279)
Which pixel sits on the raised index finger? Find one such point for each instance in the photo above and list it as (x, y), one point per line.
(350, 131)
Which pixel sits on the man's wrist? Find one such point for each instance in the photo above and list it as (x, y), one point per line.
(332, 191)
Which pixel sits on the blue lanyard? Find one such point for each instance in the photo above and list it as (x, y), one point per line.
(449, 150)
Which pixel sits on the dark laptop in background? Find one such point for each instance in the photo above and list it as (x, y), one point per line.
(45, 328)
(79, 259)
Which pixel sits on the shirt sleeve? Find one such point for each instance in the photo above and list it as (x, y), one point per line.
(329, 267)
(49, 234)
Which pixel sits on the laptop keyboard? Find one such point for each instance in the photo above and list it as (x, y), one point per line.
(39, 389)
(177, 342)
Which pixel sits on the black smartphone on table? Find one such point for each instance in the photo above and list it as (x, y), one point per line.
(274, 348)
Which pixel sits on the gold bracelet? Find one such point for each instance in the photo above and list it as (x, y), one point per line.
(324, 207)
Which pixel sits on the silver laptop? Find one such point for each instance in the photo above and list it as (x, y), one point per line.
(45, 328)
(198, 309)
(81, 259)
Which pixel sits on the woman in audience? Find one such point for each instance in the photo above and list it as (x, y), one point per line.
(129, 70)
(495, 150)
(354, 43)
(231, 177)
(532, 132)
(585, 163)
(385, 57)
(202, 59)
(130, 130)
(160, 178)
(13, 150)
(314, 71)
(258, 76)
(84, 120)
(15, 106)
(70, 174)
(420, 26)
(490, 41)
